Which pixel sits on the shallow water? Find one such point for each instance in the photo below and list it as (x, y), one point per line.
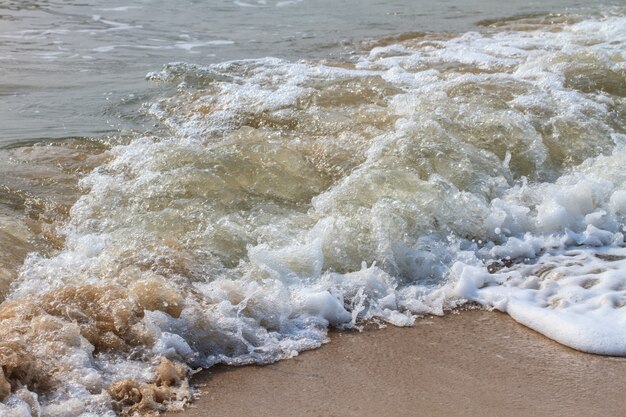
(219, 195)
(76, 68)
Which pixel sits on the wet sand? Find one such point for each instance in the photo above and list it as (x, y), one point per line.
(474, 363)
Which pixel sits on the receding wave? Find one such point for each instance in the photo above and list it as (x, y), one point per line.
(290, 197)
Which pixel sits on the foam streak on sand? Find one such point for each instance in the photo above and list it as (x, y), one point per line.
(290, 197)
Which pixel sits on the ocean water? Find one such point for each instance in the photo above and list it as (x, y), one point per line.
(198, 183)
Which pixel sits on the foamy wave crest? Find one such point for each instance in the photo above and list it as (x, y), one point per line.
(295, 196)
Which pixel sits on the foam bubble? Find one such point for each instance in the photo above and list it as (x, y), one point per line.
(575, 297)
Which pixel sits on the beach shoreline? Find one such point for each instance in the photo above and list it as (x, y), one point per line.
(464, 364)
(235, 182)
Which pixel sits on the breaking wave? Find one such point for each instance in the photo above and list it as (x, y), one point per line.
(290, 197)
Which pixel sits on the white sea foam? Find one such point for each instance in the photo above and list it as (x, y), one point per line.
(294, 196)
(264, 3)
(575, 297)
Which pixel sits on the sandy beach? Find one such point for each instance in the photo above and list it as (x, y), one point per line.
(474, 363)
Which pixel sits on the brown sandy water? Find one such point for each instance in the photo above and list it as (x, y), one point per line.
(39, 185)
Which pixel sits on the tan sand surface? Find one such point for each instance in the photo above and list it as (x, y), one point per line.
(473, 363)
